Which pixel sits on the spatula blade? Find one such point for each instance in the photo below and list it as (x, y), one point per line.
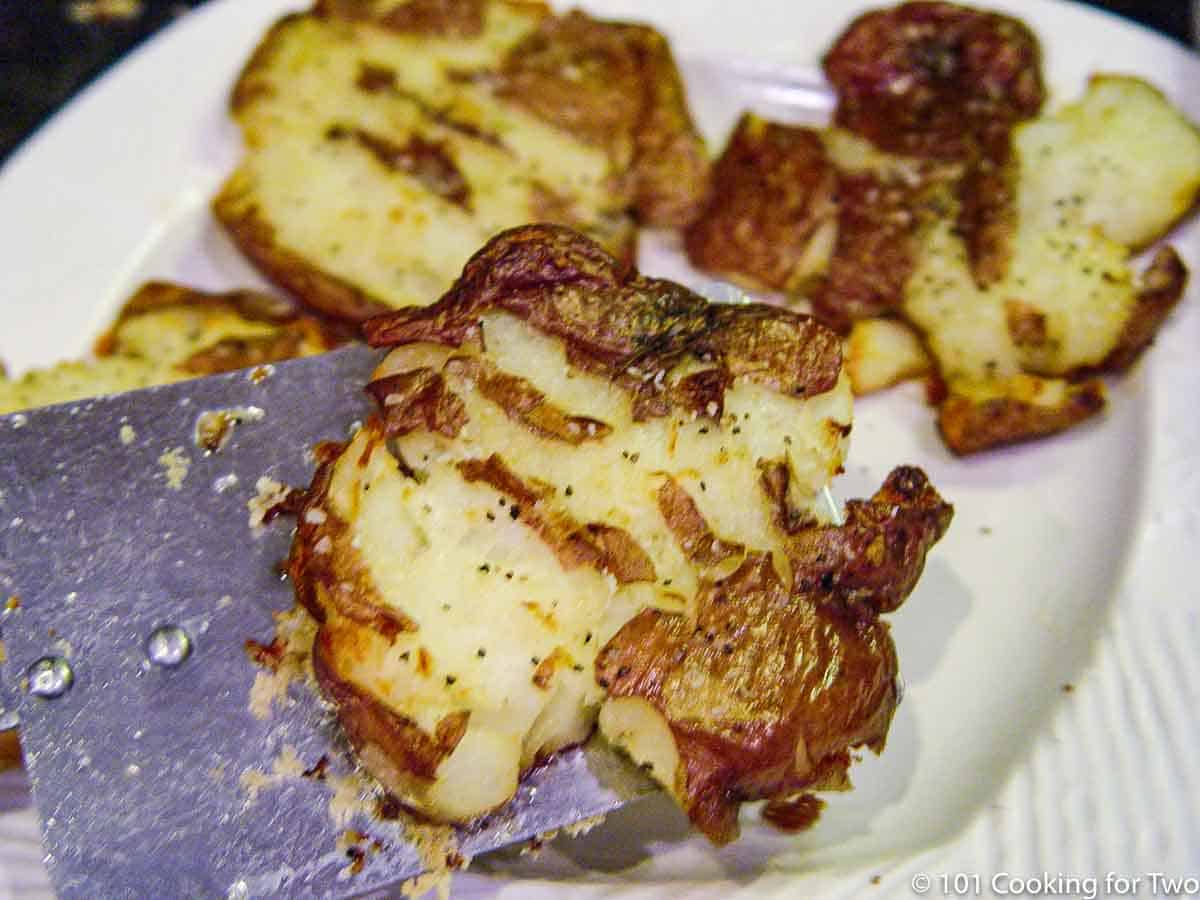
(115, 523)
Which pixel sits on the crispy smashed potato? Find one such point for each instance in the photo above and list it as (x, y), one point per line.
(743, 683)
(943, 81)
(385, 140)
(1070, 305)
(166, 332)
(562, 449)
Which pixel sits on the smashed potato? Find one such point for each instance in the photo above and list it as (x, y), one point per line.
(384, 141)
(564, 448)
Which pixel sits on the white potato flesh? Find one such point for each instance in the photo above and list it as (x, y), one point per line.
(1121, 158)
(634, 725)
(1070, 275)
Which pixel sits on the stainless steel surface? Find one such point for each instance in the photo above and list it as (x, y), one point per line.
(139, 768)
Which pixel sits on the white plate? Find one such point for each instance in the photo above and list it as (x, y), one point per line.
(1068, 562)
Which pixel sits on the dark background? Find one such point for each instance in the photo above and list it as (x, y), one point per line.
(47, 54)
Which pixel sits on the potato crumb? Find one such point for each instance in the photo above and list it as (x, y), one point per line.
(583, 826)
(175, 464)
(348, 795)
(267, 688)
(296, 630)
(268, 493)
(253, 781)
(286, 765)
(127, 435)
(423, 884)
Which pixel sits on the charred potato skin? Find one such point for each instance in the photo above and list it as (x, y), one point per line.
(613, 318)
(943, 81)
(873, 256)
(935, 79)
(771, 206)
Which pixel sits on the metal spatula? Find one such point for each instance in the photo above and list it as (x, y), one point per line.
(133, 581)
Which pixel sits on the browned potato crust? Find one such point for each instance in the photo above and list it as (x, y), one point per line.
(970, 424)
(1162, 287)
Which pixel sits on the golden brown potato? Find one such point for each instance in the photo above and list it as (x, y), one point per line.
(564, 448)
(384, 141)
(559, 445)
(884, 352)
(975, 417)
